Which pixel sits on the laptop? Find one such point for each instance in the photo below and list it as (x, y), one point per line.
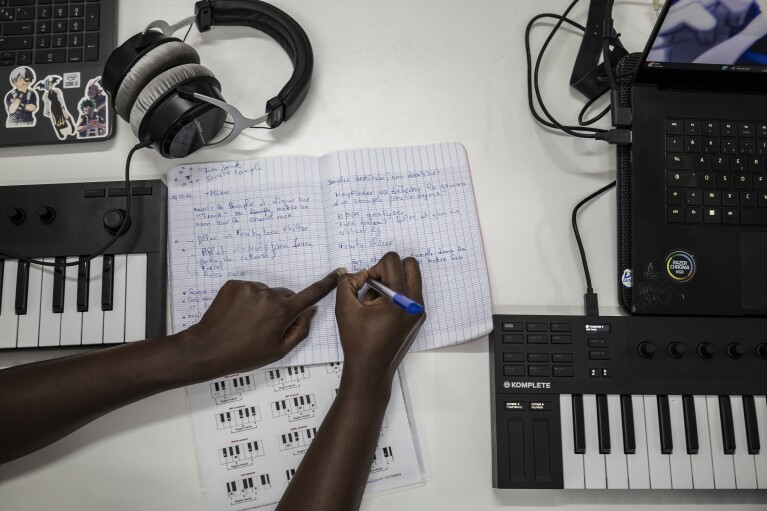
(52, 53)
(698, 182)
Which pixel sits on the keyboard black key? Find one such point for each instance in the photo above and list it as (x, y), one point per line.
(16, 43)
(681, 179)
(603, 424)
(579, 428)
(664, 426)
(627, 420)
(752, 426)
(728, 429)
(50, 56)
(678, 161)
(92, 15)
(19, 28)
(83, 285)
(753, 216)
(59, 281)
(690, 425)
(108, 283)
(92, 46)
(22, 288)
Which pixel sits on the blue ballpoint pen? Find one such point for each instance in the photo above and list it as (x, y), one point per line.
(400, 300)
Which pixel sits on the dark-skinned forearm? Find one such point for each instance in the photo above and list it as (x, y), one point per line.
(335, 469)
(43, 402)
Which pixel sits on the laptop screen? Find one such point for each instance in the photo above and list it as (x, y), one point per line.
(708, 42)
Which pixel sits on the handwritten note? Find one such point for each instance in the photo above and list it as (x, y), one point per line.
(287, 221)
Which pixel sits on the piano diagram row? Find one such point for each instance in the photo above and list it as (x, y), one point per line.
(102, 301)
(244, 490)
(664, 442)
(295, 408)
(232, 388)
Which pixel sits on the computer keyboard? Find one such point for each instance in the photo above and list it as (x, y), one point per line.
(715, 172)
(49, 31)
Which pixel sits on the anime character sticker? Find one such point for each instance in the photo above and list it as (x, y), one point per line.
(21, 101)
(94, 112)
(55, 108)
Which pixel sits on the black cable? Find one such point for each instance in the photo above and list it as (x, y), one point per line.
(123, 225)
(252, 127)
(187, 32)
(533, 77)
(609, 37)
(587, 106)
(589, 288)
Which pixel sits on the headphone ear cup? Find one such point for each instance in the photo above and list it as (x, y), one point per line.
(158, 60)
(159, 87)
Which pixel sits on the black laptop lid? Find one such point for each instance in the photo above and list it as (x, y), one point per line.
(707, 44)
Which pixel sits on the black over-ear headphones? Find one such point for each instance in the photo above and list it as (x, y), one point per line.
(157, 84)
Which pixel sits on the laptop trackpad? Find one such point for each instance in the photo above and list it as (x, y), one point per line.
(753, 270)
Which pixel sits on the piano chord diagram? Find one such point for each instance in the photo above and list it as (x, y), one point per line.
(246, 489)
(240, 454)
(284, 378)
(709, 434)
(290, 473)
(335, 368)
(231, 389)
(239, 420)
(381, 459)
(297, 439)
(115, 298)
(295, 408)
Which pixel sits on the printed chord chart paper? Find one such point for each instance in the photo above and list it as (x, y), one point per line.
(252, 430)
(288, 221)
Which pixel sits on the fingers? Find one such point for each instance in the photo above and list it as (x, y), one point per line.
(349, 286)
(298, 331)
(413, 279)
(389, 272)
(313, 294)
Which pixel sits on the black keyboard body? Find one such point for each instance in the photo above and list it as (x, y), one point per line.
(535, 360)
(57, 221)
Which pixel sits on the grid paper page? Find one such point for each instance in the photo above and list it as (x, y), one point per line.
(259, 220)
(419, 202)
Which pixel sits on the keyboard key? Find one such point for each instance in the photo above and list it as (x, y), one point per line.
(702, 463)
(728, 431)
(18, 28)
(603, 424)
(93, 316)
(753, 217)
(638, 462)
(22, 288)
(692, 127)
(593, 461)
(720, 163)
(690, 425)
(9, 321)
(57, 301)
(50, 321)
(664, 425)
(16, 43)
(675, 127)
(712, 199)
(660, 468)
(135, 297)
(693, 215)
(712, 215)
(92, 16)
(752, 425)
(745, 468)
(738, 163)
(678, 161)
(579, 433)
(760, 405)
(701, 162)
(727, 129)
(71, 318)
(711, 128)
(746, 129)
(615, 461)
(679, 460)
(572, 462)
(91, 46)
(50, 56)
(681, 180)
(29, 322)
(83, 278)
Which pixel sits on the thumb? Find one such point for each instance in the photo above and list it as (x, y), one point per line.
(349, 286)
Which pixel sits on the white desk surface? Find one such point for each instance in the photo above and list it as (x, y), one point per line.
(387, 73)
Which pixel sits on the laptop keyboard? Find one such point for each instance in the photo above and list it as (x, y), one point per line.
(715, 172)
(49, 31)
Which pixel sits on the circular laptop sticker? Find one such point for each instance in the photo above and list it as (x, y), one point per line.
(680, 266)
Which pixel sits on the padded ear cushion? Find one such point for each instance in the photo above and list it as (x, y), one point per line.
(161, 84)
(156, 61)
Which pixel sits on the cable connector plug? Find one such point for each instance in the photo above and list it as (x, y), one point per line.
(591, 304)
(615, 136)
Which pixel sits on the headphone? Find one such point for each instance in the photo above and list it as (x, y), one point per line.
(157, 84)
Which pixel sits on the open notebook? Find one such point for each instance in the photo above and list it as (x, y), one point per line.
(287, 221)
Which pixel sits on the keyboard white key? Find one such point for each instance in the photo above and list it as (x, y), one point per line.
(724, 470)
(593, 462)
(114, 320)
(745, 468)
(572, 464)
(50, 322)
(702, 464)
(9, 321)
(638, 464)
(681, 466)
(135, 297)
(29, 323)
(760, 403)
(93, 319)
(660, 468)
(615, 462)
(71, 319)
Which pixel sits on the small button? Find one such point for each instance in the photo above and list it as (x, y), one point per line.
(515, 406)
(562, 371)
(94, 192)
(537, 327)
(537, 339)
(595, 373)
(512, 326)
(513, 357)
(141, 190)
(513, 338)
(561, 327)
(561, 357)
(598, 328)
(537, 357)
(599, 355)
(117, 192)
(513, 370)
(540, 406)
(599, 343)
(561, 339)
(538, 371)
(606, 372)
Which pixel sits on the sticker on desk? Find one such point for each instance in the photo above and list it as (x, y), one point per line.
(93, 111)
(21, 102)
(55, 107)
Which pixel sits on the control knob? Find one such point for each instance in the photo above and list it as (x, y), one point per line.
(646, 349)
(46, 214)
(677, 349)
(736, 350)
(16, 215)
(113, 219)
(706, 350)
(761, 350)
